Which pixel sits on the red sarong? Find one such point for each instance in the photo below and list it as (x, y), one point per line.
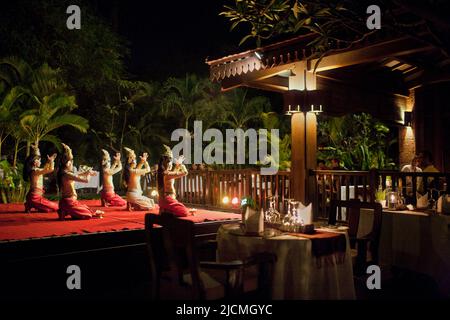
(36, 200)
(77, 210)
(112, 199)
(171, 205)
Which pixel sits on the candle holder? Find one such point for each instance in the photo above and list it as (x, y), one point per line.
(392, 200)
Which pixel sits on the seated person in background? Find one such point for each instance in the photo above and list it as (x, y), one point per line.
(413, 167)
(68, 204)
(34, 174)
(336, 164)
(321, 165)
(108, 196)
(427, 166)
(427, 162)
(132, 176)
(166, 179)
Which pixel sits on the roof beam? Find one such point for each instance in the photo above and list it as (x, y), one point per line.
(278, 84)
(398, 47)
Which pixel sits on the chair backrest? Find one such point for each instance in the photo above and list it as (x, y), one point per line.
(171, 247)
(353, 213)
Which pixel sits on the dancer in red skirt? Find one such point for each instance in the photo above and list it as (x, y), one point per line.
(108, 196)
(34, 174)
(69, 205)
(168, 202)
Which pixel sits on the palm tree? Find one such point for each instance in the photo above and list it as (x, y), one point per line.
(186, 96)
(241, 111)
(13, 73)
(49, 104)
(9, 112)
(49, 114)
(46, 101)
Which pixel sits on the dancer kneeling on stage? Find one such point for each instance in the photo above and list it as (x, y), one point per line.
(34, 174)
(132, 175)
(166, 178)
(69, 205)
(108, 196)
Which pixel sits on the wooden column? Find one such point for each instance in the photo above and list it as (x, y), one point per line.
(298, 163)
(311, 153)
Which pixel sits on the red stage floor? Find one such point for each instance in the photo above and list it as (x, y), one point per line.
(17, 225)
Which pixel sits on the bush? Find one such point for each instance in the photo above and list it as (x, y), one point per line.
(12, 186)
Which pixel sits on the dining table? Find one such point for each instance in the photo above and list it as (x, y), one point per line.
(414, 240)
(308, 266)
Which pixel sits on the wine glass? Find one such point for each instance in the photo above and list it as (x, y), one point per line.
(289, 220)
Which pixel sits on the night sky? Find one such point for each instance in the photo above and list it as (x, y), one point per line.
(170, 38)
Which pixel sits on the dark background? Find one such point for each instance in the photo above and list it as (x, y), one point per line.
(170, 38)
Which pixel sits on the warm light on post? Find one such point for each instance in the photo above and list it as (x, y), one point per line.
(225, 200)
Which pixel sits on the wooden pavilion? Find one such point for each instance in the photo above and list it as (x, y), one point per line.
(388, 77)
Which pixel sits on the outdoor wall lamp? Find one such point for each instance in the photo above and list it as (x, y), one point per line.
(407, 117)
(304, 101)
(295, 109)
(316, 108)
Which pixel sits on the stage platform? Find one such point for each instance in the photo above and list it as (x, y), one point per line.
(36, 248)
(16, 225)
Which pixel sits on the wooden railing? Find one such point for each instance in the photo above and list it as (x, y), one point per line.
(208, 188)
(345, 185)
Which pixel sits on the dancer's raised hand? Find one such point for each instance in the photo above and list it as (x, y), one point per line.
(52, 157)
(144, 157)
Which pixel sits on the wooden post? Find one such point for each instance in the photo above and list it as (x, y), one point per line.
(298, 163)
(311, 155)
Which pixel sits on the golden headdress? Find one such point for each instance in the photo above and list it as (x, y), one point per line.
(167, 151)
(106, 157)
(130, 153)
(67, 151)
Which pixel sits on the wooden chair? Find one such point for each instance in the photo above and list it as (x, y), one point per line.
(178, 273)
(359, 244)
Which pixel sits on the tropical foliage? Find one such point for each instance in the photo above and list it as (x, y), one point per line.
(358, 140)
(35, 102)
(12, 186)
(337, 24)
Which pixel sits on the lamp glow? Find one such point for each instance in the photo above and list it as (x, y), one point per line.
(225, 200)
(234, 201)
(154, 193)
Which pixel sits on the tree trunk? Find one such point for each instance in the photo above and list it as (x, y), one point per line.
(16, 150)
(28, 148)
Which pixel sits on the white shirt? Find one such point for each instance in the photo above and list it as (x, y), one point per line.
(409, 168)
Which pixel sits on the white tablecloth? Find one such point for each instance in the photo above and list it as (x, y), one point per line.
(296, 273)
(414, 241)
(94, 182)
